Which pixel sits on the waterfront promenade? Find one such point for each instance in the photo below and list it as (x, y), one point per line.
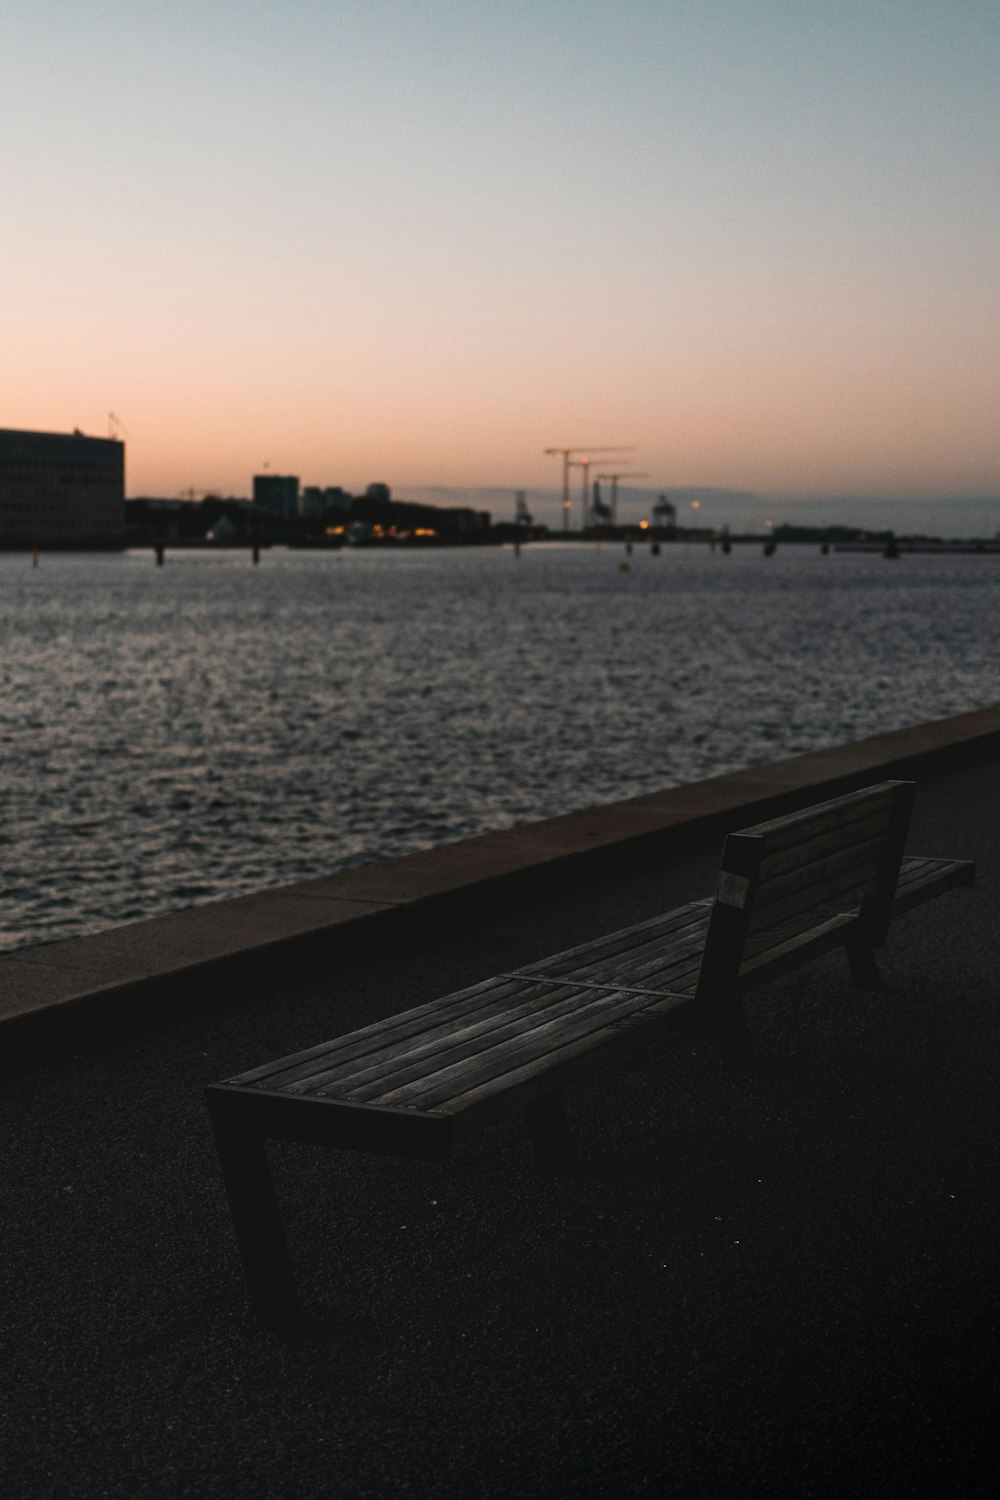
(771, 1282)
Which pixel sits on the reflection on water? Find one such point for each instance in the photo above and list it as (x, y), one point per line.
(174, 734)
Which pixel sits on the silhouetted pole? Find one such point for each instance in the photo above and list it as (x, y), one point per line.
(585, 491)
(584, 464)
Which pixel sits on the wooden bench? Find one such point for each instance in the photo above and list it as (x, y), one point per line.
(414, 1084)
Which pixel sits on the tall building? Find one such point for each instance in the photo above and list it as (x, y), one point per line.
(61, 490)
(278, 493)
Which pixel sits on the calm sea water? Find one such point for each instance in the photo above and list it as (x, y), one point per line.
(170, 735)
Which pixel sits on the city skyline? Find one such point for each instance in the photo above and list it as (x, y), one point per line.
(422, 243)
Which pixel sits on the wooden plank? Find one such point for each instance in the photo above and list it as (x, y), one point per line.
(589, 1025)
(843, 886)
(784, 948)
(440, 1015)
(812, 821)
(523, 998)
(647, 965)
(678, 976)
(624, 939)
(792, 857)
(493, 1096)
(370, 1077)
(921, 880)
(842, 895)
(577, 1012)
(437, 1014)
(863, 860)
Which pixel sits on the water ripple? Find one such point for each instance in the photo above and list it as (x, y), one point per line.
(170, 735)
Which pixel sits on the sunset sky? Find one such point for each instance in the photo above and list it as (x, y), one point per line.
(419, 241)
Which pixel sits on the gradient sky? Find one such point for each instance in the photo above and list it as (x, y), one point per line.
(421, 240)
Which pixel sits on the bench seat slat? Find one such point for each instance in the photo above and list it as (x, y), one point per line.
(422, 1054)
(439, 1014)
(530, 1033)
(660, 973)
(770, 953)
(643, 941)
(691, 917)
(590, 1025)
(495, 1094)
(652, 966)
(521, 994)
(920, 879)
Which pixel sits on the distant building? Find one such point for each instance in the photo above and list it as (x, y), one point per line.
(315, 500)
(61, 490)
(278, 493)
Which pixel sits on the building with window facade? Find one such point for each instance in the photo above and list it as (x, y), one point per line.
(278, 493)
(61, 491)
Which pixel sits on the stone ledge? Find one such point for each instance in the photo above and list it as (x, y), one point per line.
(179, 955)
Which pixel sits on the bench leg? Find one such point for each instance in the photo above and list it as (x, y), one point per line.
(550, 1134)
(257, 1221)
(864, 966)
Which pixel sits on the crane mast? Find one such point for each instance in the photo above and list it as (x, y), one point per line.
(597, 452)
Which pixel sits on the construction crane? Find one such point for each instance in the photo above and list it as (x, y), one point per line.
(116, 427)
(597, 452)
(614, 478)
(584, 464)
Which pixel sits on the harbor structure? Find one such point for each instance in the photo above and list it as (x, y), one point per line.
(61, 491)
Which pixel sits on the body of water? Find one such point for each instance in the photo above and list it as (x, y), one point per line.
(170, 735)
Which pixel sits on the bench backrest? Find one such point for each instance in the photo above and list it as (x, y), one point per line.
(841, 856)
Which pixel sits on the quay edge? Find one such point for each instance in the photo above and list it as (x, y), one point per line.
(54, 993)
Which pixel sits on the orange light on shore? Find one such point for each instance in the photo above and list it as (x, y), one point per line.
(643, 525)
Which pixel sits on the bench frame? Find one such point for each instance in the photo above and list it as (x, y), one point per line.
(788, 890)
